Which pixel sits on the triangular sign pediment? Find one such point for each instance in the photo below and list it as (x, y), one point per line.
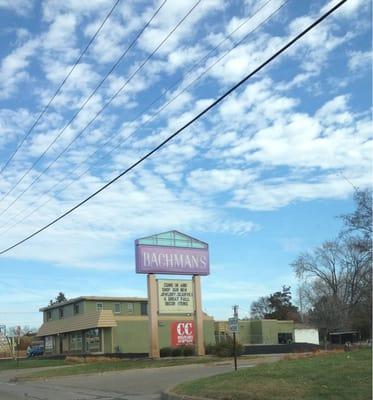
(172, 238)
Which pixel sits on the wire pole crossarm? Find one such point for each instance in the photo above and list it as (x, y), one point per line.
(194, 119)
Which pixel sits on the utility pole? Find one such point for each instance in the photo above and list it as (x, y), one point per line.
(18, 331)
(235, 318)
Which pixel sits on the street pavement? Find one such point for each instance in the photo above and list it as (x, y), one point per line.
(140, 384)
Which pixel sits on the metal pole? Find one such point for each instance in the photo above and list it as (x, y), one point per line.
(18, 343)
(234, 351)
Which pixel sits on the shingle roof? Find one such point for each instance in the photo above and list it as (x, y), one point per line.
(97, 319)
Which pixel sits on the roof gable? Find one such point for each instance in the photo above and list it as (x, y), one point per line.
(172, 239)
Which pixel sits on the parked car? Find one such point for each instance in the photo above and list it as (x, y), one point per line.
(35, 349)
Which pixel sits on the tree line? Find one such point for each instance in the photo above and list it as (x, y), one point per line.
(335, 279)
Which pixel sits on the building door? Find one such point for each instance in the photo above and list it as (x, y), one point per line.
(61, 344)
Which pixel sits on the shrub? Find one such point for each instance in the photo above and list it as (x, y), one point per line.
(210, 349)
(187, 351)
(225, 349)
(177, 351)
(165, 352)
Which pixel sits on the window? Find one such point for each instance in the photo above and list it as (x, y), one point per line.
(99, 306)
(76, 341)
(144, 309)
(93, 340)
(130, 307)
(49, 315)
(117, 308)
(76, 309)
(285, 338)
(60, 313)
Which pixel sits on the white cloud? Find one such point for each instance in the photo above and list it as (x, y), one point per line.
(348, 9)
(272, 196)
(20, 7)
(54, 8)
(335, 111)
(13, 124)
(13, 68)
(61, 33)
(360, 60)
(169, 16)
(218, 180)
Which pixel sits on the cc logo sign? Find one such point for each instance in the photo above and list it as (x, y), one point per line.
(184, 328)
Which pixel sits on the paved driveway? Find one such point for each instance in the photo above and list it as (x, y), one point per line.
(137, 384)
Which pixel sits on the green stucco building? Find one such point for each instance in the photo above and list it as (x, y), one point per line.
(103, 325)
(258, 331)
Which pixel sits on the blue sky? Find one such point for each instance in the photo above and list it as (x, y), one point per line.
(261, 178)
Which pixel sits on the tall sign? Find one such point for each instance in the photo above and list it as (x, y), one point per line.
(156, 259)
(174, 253)
(175, 296)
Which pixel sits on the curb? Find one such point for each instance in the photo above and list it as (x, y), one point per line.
(169, 395)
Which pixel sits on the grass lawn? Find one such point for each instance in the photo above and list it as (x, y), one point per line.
(114, 365)
(332, 376)
(30, 363)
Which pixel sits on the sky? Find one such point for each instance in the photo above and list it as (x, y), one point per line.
(262, 177)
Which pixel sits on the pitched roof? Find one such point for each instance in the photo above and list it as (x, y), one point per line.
(97, 319)
(172, 238)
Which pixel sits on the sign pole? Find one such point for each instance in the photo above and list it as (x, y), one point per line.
(234, 327)
(234, 351)
(153, 317)
(198, 316)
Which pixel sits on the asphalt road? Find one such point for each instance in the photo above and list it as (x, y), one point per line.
(140, 384)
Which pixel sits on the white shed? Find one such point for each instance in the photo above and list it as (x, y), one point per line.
(306, 335)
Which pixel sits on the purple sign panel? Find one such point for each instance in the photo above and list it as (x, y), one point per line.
(171, 260)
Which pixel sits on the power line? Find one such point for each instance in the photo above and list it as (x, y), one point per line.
(78, 112)
(356, 188)
(103, 108)
(190, 122)
(58, 89)
(149, 106)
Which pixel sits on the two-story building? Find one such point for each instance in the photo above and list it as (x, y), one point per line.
(98, 325)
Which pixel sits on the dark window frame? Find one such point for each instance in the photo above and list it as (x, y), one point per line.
(120, 308)
(144, 309)
(130, 308)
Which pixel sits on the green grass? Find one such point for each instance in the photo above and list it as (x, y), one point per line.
(30, 363)
(114, 365)
(335, 376)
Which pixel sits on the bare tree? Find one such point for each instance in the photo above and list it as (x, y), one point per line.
(260, 308)
(339, 273)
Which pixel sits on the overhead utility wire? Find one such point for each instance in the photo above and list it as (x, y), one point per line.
(97, 114)
(103, 156)
(190, 122)
(80, 108)
(58, 89)
(83, 105)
